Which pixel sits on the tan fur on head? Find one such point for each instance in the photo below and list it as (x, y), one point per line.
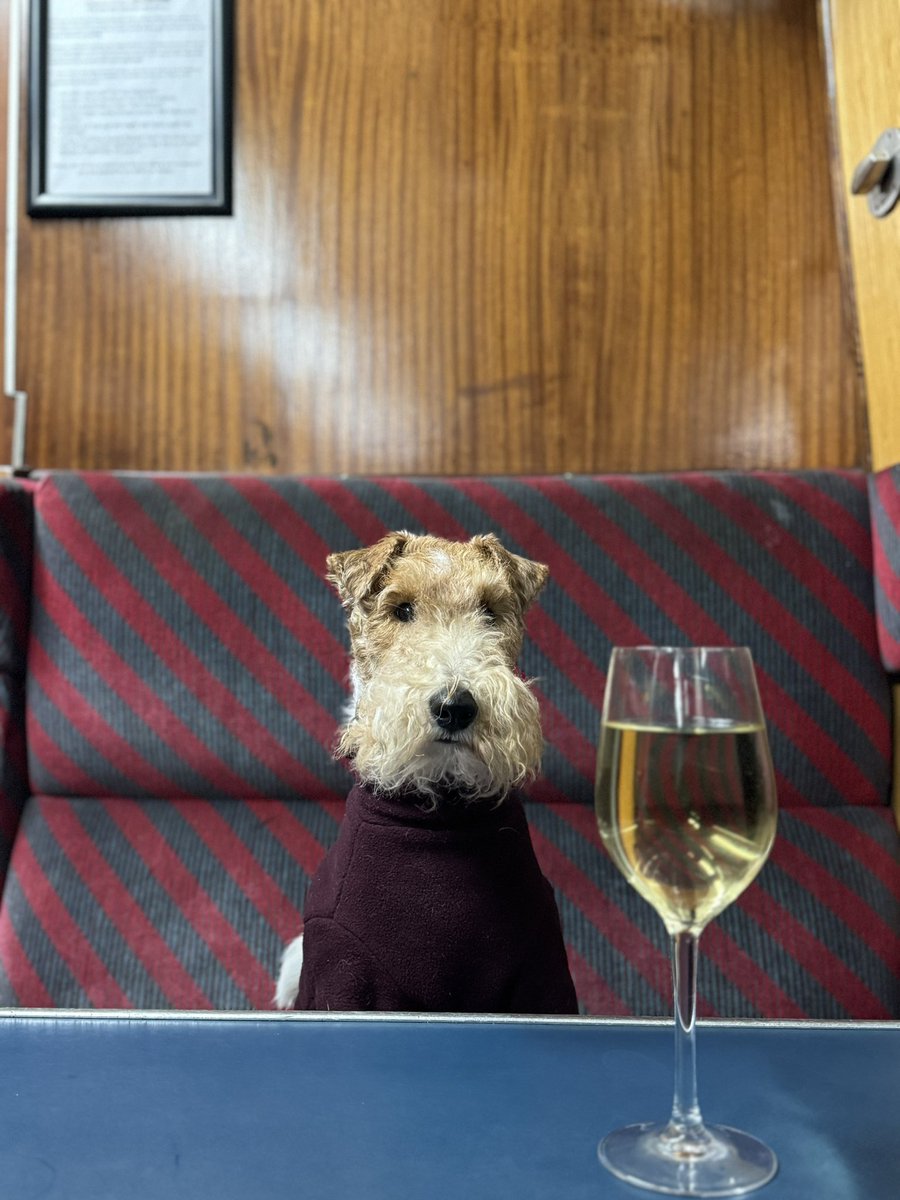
(430, 618)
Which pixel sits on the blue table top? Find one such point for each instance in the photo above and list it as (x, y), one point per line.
(133, 1108)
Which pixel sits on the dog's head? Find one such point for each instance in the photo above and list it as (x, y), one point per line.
(436, 627)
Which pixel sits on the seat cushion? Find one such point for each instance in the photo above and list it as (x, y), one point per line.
(157, 903)
(817, 935)
(189, 903)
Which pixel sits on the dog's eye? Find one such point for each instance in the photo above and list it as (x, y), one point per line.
(404, 611)
(488, 613)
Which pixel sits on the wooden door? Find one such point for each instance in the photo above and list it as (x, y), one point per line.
(864, 42)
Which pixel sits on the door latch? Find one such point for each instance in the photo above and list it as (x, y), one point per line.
(878, 175)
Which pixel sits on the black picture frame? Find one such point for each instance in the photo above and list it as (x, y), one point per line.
(43, 201)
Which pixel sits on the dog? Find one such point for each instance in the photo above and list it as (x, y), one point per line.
(431, 898)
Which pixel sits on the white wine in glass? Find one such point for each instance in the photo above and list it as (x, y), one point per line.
(685, 802)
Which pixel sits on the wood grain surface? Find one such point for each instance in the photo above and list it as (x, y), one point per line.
(6, 405)
(865, 56)
(472, 236)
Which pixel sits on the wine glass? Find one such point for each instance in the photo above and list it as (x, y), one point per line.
(685, 802)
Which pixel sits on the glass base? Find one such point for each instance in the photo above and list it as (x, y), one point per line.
(710, 1161)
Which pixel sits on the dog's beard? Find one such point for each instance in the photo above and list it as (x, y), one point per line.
(395, 744)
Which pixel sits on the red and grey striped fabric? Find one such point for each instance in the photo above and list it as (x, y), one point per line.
(884, 497)
(187, 667)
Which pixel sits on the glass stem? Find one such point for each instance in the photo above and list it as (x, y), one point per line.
(686, 1119)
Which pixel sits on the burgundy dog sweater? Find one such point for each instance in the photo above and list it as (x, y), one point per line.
(441, 910)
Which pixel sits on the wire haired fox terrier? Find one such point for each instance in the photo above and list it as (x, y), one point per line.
(431, 899)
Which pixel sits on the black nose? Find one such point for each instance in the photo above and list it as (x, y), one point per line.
(456, 712)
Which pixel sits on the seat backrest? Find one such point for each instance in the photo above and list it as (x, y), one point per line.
(16, 523)
(184, 639)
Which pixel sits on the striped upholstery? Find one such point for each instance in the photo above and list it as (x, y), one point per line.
(187, 664)
(884, 495)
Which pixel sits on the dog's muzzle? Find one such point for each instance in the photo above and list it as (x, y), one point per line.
(454, 713)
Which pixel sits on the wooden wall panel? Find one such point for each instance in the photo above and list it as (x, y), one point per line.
(6, 405)
(865, 48)
(473, 235)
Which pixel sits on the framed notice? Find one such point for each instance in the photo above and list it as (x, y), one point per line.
(130, 107)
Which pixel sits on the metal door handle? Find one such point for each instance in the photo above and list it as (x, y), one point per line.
(878, 175)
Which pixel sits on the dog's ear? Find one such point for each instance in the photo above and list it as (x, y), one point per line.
(526, 578)
(359, 574)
